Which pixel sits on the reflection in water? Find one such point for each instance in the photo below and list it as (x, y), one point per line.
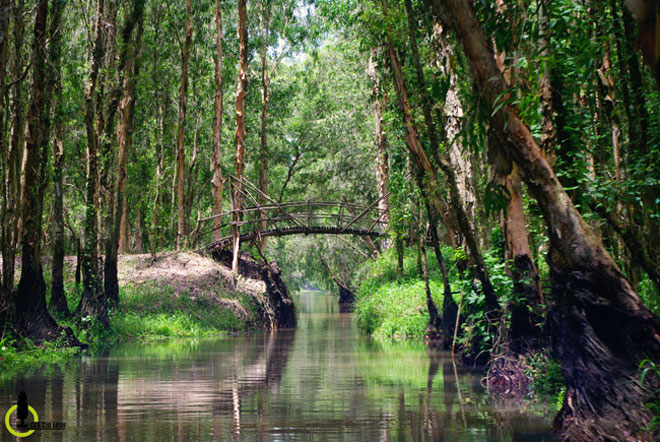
(320, 382)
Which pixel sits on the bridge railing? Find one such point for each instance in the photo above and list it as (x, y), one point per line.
(259, 213)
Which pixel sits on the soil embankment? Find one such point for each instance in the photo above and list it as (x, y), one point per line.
(204, 277)
(278, 306)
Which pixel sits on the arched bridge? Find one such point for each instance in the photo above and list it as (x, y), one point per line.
(256, 215)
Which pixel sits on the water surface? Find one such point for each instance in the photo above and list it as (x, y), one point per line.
(319, 382)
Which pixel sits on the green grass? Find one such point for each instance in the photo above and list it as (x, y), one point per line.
(145, 313)
(390, 306)
(18, 356)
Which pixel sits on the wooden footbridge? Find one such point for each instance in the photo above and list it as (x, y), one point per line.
(255, 215)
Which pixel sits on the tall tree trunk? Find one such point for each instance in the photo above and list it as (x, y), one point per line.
(57, 298)
(240, 128)
(216, 157)
(182, 230)
(192, 172)
(124, 246)
(263, 119)
(93, 301)
(601, 331)
(5, 13)
(156, 231)
(129, 69)
(160, 99)
(12, 198)
(32, 318)
(5, 9)
(382, 160)
(126, 108)
(435, 320)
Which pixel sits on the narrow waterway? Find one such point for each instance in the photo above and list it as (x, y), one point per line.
(319, 382)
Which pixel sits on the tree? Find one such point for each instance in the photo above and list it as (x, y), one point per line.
(430, 179)
(382, 162)
(182, 224)
(32, 318)
(12, 187)
(117, 216)
(216, 157)
(240, 126)
(57, 296)
(92, 301)
(601, 331)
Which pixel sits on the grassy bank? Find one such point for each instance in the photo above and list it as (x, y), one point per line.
(390, 305)
(173, 296)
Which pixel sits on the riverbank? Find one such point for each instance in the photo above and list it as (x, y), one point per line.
(169, 295)
(391, 303)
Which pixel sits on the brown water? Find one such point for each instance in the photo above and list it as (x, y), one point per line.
(320, 382)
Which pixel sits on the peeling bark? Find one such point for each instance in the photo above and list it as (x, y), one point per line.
(382, 160)
(240, 126)
(216, 158)
(466, 224)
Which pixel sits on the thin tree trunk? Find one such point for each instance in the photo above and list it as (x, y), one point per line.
(548, 132)
(160, 99)
(382, 160)
(156, 233)
(58, 302)
(93, 301)
(265, 100)
(123, 227)
(216, 158)
(526, 309)
(192, 167)
(57, 299)
(240, 127)
(5, 13)
(435, 321)
(601, 330)
(182, 229)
